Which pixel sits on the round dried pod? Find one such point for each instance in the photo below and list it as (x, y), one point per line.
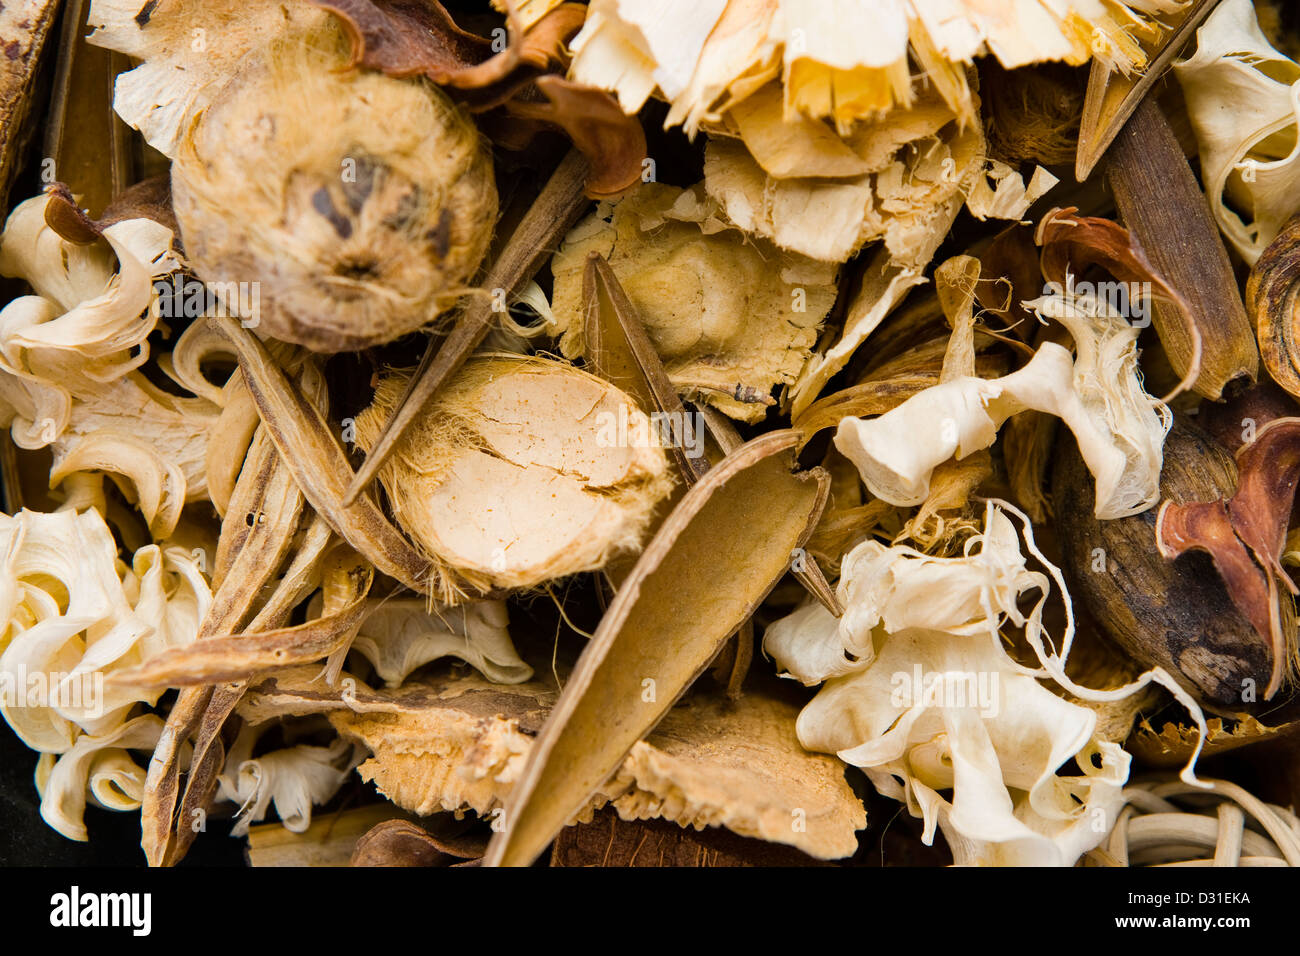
(346, 207)
(522, 470)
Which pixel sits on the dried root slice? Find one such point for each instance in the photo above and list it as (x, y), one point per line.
(1246, 535)
(1243, 99)
(731, 316)
(665, 625)
(523, 470)
(461, 744)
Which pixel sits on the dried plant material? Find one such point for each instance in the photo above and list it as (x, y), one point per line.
(1097, 394)
(329, 841)
(24, 28)
(402, 843)
(665, 625)
(70, 355)
(608, 841)
(842, 61)
(1241, 94)
(96, 766)
(582, 490)
(1170, 745)
(1167, 823)
(561, 201)
(380, 249)
(1172, 614)
(1072, 243)
(1270, 300)
(401, 635)
(462, 743)
(292, 778)
(1001, 193)
(75, 614)
(1113, 95)
(730, 316)
(920, 164)
(311, 451)
(1172, 229)
(619, 350)
(346, 581)
(256, 535)
(884, 285)
(1031, 114)
(904, 700)
(1245, 535)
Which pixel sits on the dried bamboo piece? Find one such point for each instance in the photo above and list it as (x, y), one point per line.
(1112, 97)
(665, 625)
(1167, 214)
(561, 202)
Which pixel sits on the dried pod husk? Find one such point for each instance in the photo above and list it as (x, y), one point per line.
(355, 205)
(1174, 614)
(1271, 301)
(521, 471)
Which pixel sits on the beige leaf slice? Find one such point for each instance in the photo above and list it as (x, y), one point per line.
(665, 625)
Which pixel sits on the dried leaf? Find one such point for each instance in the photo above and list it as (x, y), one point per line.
(402, 843)
(666, 623)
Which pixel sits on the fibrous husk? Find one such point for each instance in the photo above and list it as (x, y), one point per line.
(842, 60)
(70, 355)
(923, 694)
(731, 316)
(1243, 99)
(1097, 394)
(579, 489)
(460, 744)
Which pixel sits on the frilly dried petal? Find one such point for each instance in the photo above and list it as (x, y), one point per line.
(1243, 99)
(400, 635)
(98, 765)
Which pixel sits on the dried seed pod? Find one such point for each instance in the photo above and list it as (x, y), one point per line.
(358, 203)
(522, 470)
(1174, 614)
